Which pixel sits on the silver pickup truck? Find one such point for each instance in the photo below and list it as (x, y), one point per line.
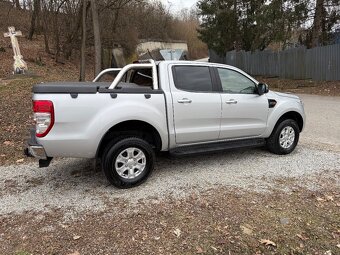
(182, 107)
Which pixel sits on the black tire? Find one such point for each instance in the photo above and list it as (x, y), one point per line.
(273, 142)
(109, 162)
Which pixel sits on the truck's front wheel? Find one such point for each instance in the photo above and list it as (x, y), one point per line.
(128, 162)
(284, 137)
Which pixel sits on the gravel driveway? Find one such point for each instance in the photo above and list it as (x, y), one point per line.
(72, 184)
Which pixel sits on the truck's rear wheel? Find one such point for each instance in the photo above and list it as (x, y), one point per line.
(128, 162)
(284, 137)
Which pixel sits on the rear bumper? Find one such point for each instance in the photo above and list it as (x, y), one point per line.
(37, 151)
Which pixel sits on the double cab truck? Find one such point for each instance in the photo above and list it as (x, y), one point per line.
(181, 107)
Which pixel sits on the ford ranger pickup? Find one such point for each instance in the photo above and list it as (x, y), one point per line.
(181, 107)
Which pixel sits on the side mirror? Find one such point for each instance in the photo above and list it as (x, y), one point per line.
(262, 88)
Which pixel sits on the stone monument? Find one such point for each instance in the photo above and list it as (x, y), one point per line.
(20, 66)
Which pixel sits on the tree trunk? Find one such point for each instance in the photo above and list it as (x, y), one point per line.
(56, 37)
(97, 40)
(45, 27)
(17, 4)
(72, 35)
(47, 47)
(83, 42)
(317, 23)
(35, 14)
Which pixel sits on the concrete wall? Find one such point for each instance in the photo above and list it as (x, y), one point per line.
(143, 47)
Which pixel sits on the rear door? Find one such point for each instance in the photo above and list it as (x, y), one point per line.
(244, 111)
(196, 104)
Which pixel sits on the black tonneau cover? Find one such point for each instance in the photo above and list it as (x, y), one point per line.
(90, 88)
(68, 87)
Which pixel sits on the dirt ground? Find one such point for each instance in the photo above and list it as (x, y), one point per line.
(324, 88)
(219, 221)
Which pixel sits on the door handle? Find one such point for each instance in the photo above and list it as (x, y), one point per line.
(184, 101)
(231, 101)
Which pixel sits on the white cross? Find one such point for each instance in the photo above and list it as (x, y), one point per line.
(19, 65)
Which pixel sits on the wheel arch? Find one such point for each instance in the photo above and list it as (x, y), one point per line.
(136, 128)
(294, 115)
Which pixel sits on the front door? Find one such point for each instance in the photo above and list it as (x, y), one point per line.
(197, 107)
(244, 112)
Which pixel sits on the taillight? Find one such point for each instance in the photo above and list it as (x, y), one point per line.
(43, 117)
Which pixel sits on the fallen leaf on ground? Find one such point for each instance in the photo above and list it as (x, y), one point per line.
(320, 199)
(302, 237)
(246, 230)
(2, 155)
(214, 248)
(8, 143)
(177, 232)
(74, 253)
(338, 245)
(267, 242)
(329, 198)
(20, 160)
(76, 237)
(199, 250)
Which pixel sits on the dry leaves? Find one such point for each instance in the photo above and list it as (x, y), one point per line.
(320, 199)
(303, 238)
(214, 248)
(76, 237)
(199, 250)
(8, 143)
(74, 253)
(246, 230)
(267, 242)
(326, 198)
(177, 232)
(329, 198)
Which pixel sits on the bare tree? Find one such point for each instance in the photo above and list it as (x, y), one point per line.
(74, 24)
(317, 23)
(45, 26)
(17, 4)
(35, 14)
(97, 39)
(84, 7)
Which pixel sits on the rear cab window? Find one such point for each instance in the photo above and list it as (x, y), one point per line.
(193, 78)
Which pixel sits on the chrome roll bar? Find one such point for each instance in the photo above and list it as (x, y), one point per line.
(150, 63)
(109, 70)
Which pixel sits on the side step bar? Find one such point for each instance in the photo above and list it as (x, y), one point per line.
(217, 146)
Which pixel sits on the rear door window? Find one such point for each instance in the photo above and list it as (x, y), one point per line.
(193, 78)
